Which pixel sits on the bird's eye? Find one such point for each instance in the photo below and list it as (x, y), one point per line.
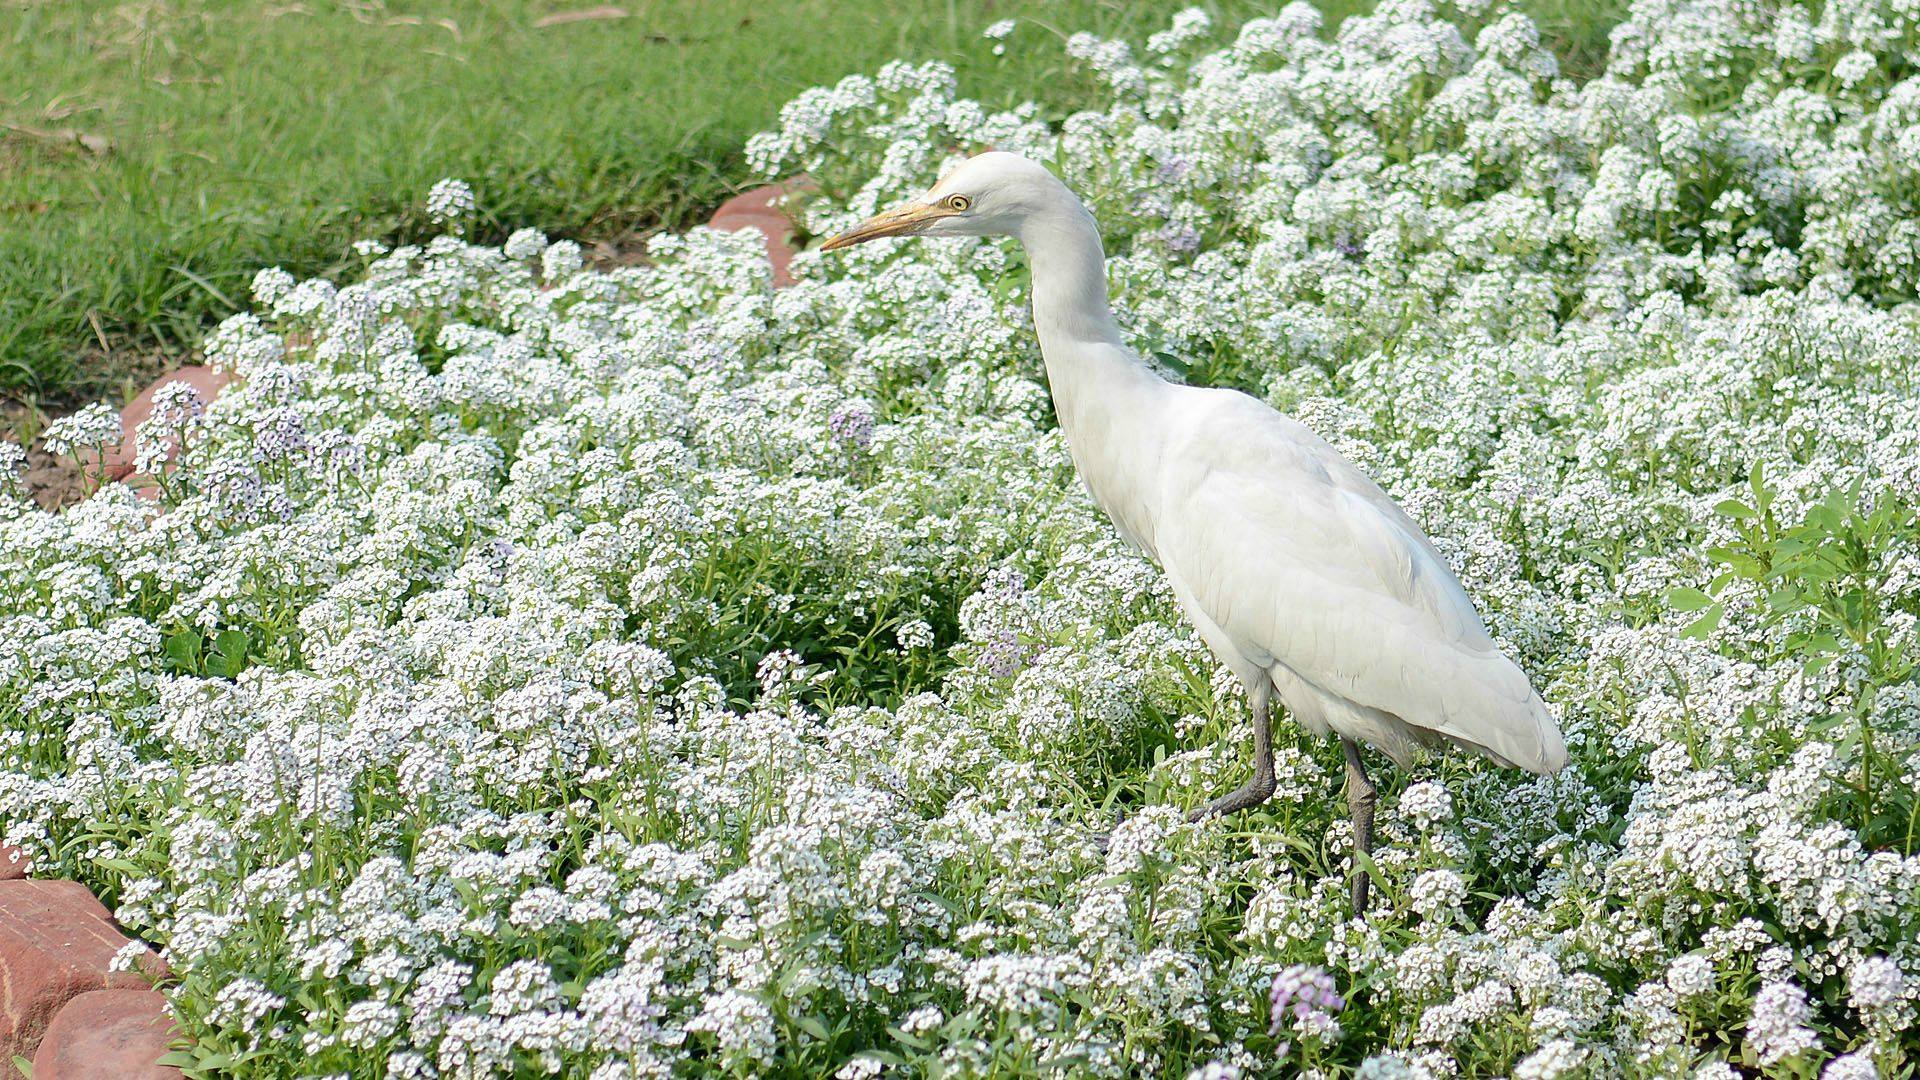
(958, 203)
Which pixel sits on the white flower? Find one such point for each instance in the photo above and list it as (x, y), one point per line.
(270, 284)
(1875, 982)
(859, 1068)
(1436, 892)
(1777, 1026)
(914, 634)
(1557, 1058)
(128, 957)
(1854, 67)
(525, 244)
(13, 460)
(740, 1024)
(90, 427)
(1854, 1066)
(922, 1020)
(449, 200)
(559, 260)
(579, 615)
(1426, 804)
(1690, 975)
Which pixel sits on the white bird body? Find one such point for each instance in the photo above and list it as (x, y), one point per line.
(1300, 573)
(1292, 563)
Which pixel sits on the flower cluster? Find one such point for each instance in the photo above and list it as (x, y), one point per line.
(1303, 1001)
(641, 673)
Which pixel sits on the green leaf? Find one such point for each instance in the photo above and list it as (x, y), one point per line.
(1706, 623)
(229, 653)
(1682, 598)
(1734, 508)
(183, 649)
(1785, 600)
(905, 1039)
(1819, 572)
(1827, 518)
(1823, 642)
(1738, 561)
(25, 1066)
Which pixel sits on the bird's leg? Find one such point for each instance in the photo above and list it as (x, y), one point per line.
(1260, 788)
(1360, 799)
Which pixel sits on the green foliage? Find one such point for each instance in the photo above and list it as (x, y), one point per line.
(1818, 582)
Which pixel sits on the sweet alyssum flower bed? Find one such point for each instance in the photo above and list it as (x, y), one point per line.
(541, 671)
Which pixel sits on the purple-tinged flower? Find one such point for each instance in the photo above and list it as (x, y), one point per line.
(177, 404)
(236, 489)
(1306, 993)
(1179, 238)
(1006, 655)
(280, 433)
(339, 454)
(852, 425)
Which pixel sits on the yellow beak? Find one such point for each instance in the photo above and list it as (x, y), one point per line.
(899, 221)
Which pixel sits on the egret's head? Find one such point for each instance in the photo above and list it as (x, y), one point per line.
(990, 194)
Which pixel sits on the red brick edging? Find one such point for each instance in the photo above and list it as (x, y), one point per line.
(57, 947)
(766, 209)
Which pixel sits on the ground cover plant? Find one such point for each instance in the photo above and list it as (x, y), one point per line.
(543, 671)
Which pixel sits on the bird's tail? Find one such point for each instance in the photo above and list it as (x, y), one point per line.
(1534, 744)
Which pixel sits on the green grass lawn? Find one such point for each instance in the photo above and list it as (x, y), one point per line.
(155, 153)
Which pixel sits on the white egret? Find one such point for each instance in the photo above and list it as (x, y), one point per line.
(1299, 572)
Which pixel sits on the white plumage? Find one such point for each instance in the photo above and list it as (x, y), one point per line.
(1299, 572)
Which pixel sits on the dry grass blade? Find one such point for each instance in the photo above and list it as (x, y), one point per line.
(592, 14)
(92, 144)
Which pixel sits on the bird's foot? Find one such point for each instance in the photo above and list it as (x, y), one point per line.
(1255, 792)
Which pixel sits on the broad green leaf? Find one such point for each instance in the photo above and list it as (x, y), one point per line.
(1734, 508)
(183, 649)
(1684, 598)
(1706, 623)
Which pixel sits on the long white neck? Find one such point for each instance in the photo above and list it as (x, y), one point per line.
(1069, 279)
(1103, 394)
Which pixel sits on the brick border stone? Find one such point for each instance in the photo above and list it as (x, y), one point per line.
(108, 1035)
(57, 941)
(767, 209)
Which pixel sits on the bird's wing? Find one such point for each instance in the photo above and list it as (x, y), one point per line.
(1297, 555)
